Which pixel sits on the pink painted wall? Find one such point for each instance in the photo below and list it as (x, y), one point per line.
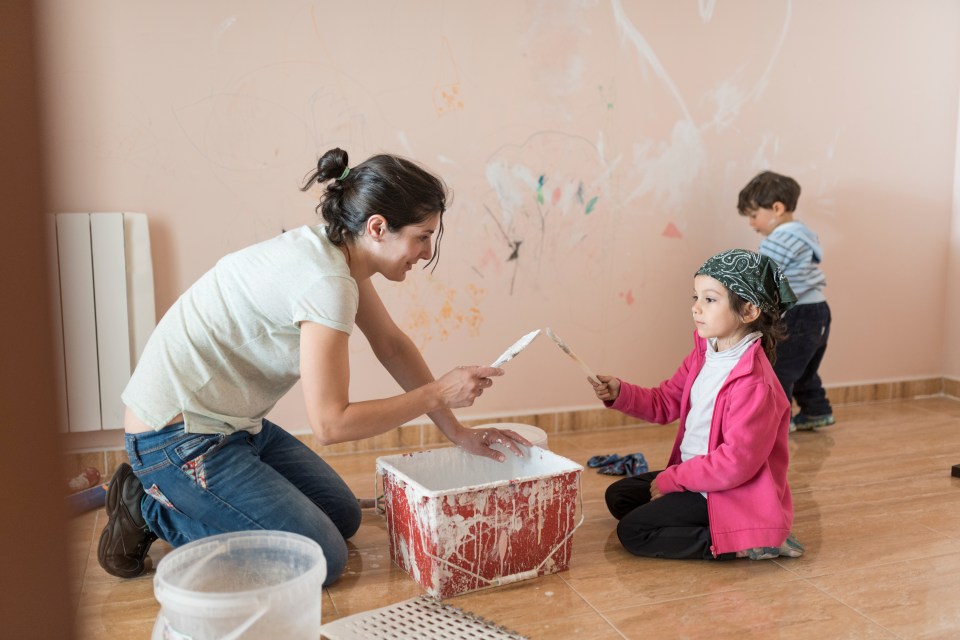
(951, 335)
(644, 119)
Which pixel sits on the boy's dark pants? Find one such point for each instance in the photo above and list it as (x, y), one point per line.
(800, 354)
(675, 525)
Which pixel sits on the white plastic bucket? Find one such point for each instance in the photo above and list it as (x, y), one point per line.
(248, 584)
(536, 435)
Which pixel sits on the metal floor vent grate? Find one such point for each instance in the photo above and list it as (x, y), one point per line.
(416, 619)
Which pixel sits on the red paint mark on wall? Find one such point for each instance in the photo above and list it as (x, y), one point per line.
(490, 260)
(671, 231)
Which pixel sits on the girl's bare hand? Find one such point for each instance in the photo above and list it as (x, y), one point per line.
(654, 491)
(609, 388)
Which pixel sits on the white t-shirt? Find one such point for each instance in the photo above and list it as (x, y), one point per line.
(229, 348)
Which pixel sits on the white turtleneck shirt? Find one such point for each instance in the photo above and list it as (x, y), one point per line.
(703, 394)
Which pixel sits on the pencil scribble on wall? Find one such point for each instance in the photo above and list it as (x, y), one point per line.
(538, 210)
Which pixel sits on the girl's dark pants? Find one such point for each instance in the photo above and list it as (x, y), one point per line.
(675, 525)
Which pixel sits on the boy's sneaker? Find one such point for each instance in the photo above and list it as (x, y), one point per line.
(791, 548)
(126, 538)
(801, 422)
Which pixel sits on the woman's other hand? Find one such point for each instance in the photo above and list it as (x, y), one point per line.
(480, 442)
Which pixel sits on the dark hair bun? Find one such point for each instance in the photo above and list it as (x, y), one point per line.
(332, 164)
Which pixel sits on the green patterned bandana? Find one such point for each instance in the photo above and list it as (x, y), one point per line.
(755, 278)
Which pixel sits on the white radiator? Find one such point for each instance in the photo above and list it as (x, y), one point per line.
(103, 311)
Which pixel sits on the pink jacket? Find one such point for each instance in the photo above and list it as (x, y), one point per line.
(744, 472)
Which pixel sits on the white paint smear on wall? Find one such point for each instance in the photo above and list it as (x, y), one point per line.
(729, 99)
(632, 34)
(565, 80)
(668, 170)
(513, 185)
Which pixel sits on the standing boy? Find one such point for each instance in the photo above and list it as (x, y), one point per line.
(769, 201)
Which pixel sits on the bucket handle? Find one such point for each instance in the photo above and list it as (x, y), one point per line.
(165, 629)
(249, 622)
(379, 504)
(531, 573)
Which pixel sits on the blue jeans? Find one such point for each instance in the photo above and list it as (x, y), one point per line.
(800, 354)
(200, 485)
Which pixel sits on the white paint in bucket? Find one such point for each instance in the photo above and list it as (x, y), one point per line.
(249, 584)
(536, 435)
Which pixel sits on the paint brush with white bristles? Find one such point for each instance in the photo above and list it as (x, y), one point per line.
(563, 346)
(515, 348)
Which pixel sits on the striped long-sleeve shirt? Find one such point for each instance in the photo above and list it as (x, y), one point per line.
(797, 250)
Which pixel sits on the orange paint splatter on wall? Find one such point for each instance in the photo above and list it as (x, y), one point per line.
(454, 311)
(446, 311)
(447, 99)
(446, 91)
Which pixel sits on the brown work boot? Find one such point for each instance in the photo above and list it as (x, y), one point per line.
(126, 538)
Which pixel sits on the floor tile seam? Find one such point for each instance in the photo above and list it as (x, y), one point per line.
(854, 610)
(911, 401)
(927, 457)
(880, 500)
(94, 543)
(76, 610)
(590, 604)
(333, 603)
(938, 412)
(692, 596)
(939, 419)
(877, 507)
(932, 530)
(904, 561)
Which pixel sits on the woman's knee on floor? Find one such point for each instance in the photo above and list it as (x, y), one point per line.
(320, 528)
(335, 553)
(348, 521)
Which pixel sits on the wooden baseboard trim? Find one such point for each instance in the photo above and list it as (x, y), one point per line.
(566, 421)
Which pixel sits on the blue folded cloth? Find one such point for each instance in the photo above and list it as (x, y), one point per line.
(602, 461)
(630, 465)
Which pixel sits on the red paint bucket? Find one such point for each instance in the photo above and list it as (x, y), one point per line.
(459, 523)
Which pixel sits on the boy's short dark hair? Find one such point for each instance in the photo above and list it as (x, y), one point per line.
(765, 189)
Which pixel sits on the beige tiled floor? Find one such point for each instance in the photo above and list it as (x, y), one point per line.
(876, 509)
